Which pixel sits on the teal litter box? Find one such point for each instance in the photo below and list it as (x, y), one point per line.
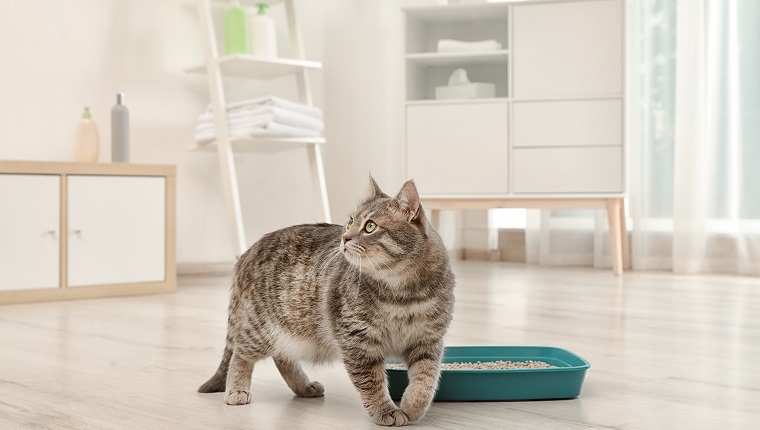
(561, 382)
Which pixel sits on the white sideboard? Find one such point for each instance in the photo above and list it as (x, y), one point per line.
(554, 134)
(80, 230)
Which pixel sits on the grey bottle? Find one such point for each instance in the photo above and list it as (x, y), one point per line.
(120, 131)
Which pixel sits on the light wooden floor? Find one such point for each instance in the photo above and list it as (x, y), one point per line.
(666, 352)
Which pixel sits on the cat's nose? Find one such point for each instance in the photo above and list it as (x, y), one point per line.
(346, 238)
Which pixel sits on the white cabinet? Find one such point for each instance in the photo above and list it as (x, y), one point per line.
(29, 231)
(568, 49)
(444, 141)
(542, 132)
(116, 229)
(553, 135)
(78, 230)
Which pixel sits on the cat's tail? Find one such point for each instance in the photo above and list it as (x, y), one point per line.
(218, 382)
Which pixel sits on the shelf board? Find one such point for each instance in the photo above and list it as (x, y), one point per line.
(456, 101)
(468, 58)
(261, 144)
(517, 99)
(458, 12)
(247, 3)
(251, 66)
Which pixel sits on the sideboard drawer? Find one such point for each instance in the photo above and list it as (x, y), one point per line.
(568, 123)
(458, 148)
(568, 170)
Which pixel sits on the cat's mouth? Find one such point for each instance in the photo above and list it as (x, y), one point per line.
(352, 250)
(365, 259)
(355, 254)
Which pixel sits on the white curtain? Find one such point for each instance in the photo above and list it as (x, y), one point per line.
(694, 139)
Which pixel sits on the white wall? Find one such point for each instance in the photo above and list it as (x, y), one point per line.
(59, 56)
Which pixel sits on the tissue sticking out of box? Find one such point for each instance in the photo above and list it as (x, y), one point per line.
(459, 77)
(460, 87)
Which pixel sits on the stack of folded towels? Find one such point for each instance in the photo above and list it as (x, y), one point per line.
(265, 116)
(450, 45)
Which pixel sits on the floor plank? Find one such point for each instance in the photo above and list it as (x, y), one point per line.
(667, 352)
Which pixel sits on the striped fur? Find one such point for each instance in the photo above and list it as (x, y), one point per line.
(321, 293)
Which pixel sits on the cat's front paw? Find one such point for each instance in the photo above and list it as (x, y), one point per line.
(414, 410)
(393, 418)
(312, 389)
(237, 397)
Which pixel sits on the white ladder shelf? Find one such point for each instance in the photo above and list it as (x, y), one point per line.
(248, 66)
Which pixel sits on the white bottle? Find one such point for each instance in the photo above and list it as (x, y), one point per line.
(120, 131)
(87, 143)
(263, 33)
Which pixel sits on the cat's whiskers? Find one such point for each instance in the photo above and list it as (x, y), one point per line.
(384, 264)
(327, 259)
(374, 263)
(322, 258)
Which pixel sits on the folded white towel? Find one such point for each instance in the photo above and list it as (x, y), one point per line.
(449, 45)
(262, 115)
(271, 129)
(273, 102)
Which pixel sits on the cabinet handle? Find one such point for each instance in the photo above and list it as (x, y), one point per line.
(77, 231)
(51, 232)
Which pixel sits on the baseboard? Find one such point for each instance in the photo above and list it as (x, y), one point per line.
(480, 255)
(511, 248)
(205, 268)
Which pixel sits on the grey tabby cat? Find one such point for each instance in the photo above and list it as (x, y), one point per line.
(378, 287)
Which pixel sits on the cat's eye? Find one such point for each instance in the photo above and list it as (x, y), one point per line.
(370, 226)
(349, 223)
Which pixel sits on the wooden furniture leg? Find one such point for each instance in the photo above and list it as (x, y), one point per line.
(624, 232)
(616, 237)
(614, 207)
(435, 218)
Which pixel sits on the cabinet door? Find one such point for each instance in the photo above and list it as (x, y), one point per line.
(30, 208)
(116, 229)
(458, 148)
(568, 49)
(569, 170)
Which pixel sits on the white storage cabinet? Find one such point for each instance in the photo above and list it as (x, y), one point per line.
(72, 230)
(553, 135)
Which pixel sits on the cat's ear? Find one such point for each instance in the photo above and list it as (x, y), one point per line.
(409, 201)
(373, 190)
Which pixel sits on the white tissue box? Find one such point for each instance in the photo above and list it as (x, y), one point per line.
(473, 90)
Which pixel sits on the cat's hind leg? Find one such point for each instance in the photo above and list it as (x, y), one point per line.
(297, 380)
(239, 377)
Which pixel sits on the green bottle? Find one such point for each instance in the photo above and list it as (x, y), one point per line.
(235, 30)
